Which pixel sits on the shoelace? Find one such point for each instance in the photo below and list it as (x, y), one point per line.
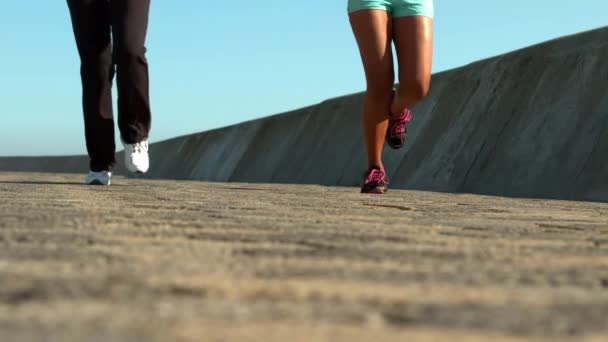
(139, 147)
(398, 127)
(375, 176)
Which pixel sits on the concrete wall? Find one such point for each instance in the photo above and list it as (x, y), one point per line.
(531, 123)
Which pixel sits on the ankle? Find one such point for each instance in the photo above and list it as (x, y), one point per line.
(378, 166)
(399, 105)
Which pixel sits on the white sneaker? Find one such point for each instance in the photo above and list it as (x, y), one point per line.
(98, 178)
(136, 157)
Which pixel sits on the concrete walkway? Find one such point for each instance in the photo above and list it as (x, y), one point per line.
(147, 260)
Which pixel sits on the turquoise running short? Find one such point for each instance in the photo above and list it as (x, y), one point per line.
(397, 8)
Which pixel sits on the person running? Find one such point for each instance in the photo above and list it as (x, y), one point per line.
(110, 37)
(376, 25)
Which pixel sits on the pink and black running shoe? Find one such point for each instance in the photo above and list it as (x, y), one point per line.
(395, 134)
(375, 181)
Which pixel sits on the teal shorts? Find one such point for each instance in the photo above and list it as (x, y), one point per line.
(397, 8)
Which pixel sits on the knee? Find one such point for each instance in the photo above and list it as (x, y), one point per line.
(96, 56)
(414, 90)
(125, 53)
(96, 64)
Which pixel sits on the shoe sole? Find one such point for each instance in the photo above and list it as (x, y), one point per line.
(97, 183)
(136, 170)
(375, 191)
(394, 147)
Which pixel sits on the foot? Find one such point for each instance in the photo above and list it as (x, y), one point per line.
(395, 134)
(98, 178)
(136, 157)
(375, 181)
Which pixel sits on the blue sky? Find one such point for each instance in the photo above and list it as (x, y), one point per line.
(216, 63)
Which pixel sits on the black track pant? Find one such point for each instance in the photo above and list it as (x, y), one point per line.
(110, 36)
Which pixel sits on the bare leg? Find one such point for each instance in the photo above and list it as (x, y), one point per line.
(372, 30)
(413, 37)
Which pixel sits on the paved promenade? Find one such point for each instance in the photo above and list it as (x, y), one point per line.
(149, 260)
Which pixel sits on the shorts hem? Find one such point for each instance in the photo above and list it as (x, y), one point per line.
(415, 10)
(363, 8)
(412, 14)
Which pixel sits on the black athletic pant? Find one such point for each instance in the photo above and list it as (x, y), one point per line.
(110, 36)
